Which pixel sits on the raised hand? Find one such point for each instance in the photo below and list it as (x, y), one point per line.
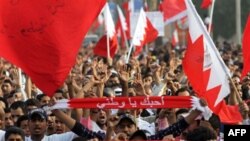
(123, 74)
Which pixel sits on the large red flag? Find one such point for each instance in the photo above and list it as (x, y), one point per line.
(246, 49)
(210, 80)
(43, 37)
(107, 47)
(206, 3)
(173, 10)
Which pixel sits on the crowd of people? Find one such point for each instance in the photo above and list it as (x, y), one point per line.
(156, 72)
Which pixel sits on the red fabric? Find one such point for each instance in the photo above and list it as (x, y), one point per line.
(101, 47)
(150, 35)
(43, 37)
(127, 11)
(198, 78)
(120, 33)
(194, 57)
(160, 7)
(206, 3)
(133, 102)
(246, 49)
(171, 8)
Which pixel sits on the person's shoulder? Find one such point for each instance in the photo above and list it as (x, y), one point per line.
(2, 133)
(61, 137)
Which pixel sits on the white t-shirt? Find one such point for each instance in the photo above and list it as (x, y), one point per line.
(2, 133)
(68, 136)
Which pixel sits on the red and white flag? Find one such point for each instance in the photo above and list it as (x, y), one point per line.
(206, 3)
(173, 10)
(145, 33)
(122, 27)
(246, 49)
(209, 77)
(43, 37)
(107, 45)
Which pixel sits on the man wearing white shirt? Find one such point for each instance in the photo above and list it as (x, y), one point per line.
(38, 124)
(2, 133)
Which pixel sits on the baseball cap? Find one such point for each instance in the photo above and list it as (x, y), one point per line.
(38, 113)
(127, 117)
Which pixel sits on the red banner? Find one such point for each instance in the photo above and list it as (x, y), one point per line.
(133, 102)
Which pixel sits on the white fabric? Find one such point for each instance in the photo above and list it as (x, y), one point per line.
(158, 90)
(144, 125)
(68, 136)
(206, 112)
(2, 133)
(109, 24)
(60, 104)
(122, 19)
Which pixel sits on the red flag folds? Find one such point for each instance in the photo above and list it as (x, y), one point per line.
(246, 49)
(43, 37)
(173, 10)
(206, 3)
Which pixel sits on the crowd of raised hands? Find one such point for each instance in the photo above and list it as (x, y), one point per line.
(154, 73)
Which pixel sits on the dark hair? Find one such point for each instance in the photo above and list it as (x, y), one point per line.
(181, 111)
(14, 130)
(59, 91)
(18, 104)
(201, 134)
(20, 119)
(32, 102)
(40, 96)
(183, 89)
(8, 81)
(7, 110)
(215, 122)
(4, 101)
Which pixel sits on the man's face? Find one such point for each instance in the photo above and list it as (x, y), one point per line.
(58, 96)
(6, 88)
(25, 128)
(37, 126)
(51, 122)
(14, 137)
(59, 126)
(45, 100)
(148, 80)
(102, 117)
(16, 113)
(8, 120)
(127, 127)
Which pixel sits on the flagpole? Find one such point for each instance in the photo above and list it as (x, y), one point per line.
(20, 83)
(108, 48)
(129, 53)
(125, 38)
(211, 17)
(238, 20)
